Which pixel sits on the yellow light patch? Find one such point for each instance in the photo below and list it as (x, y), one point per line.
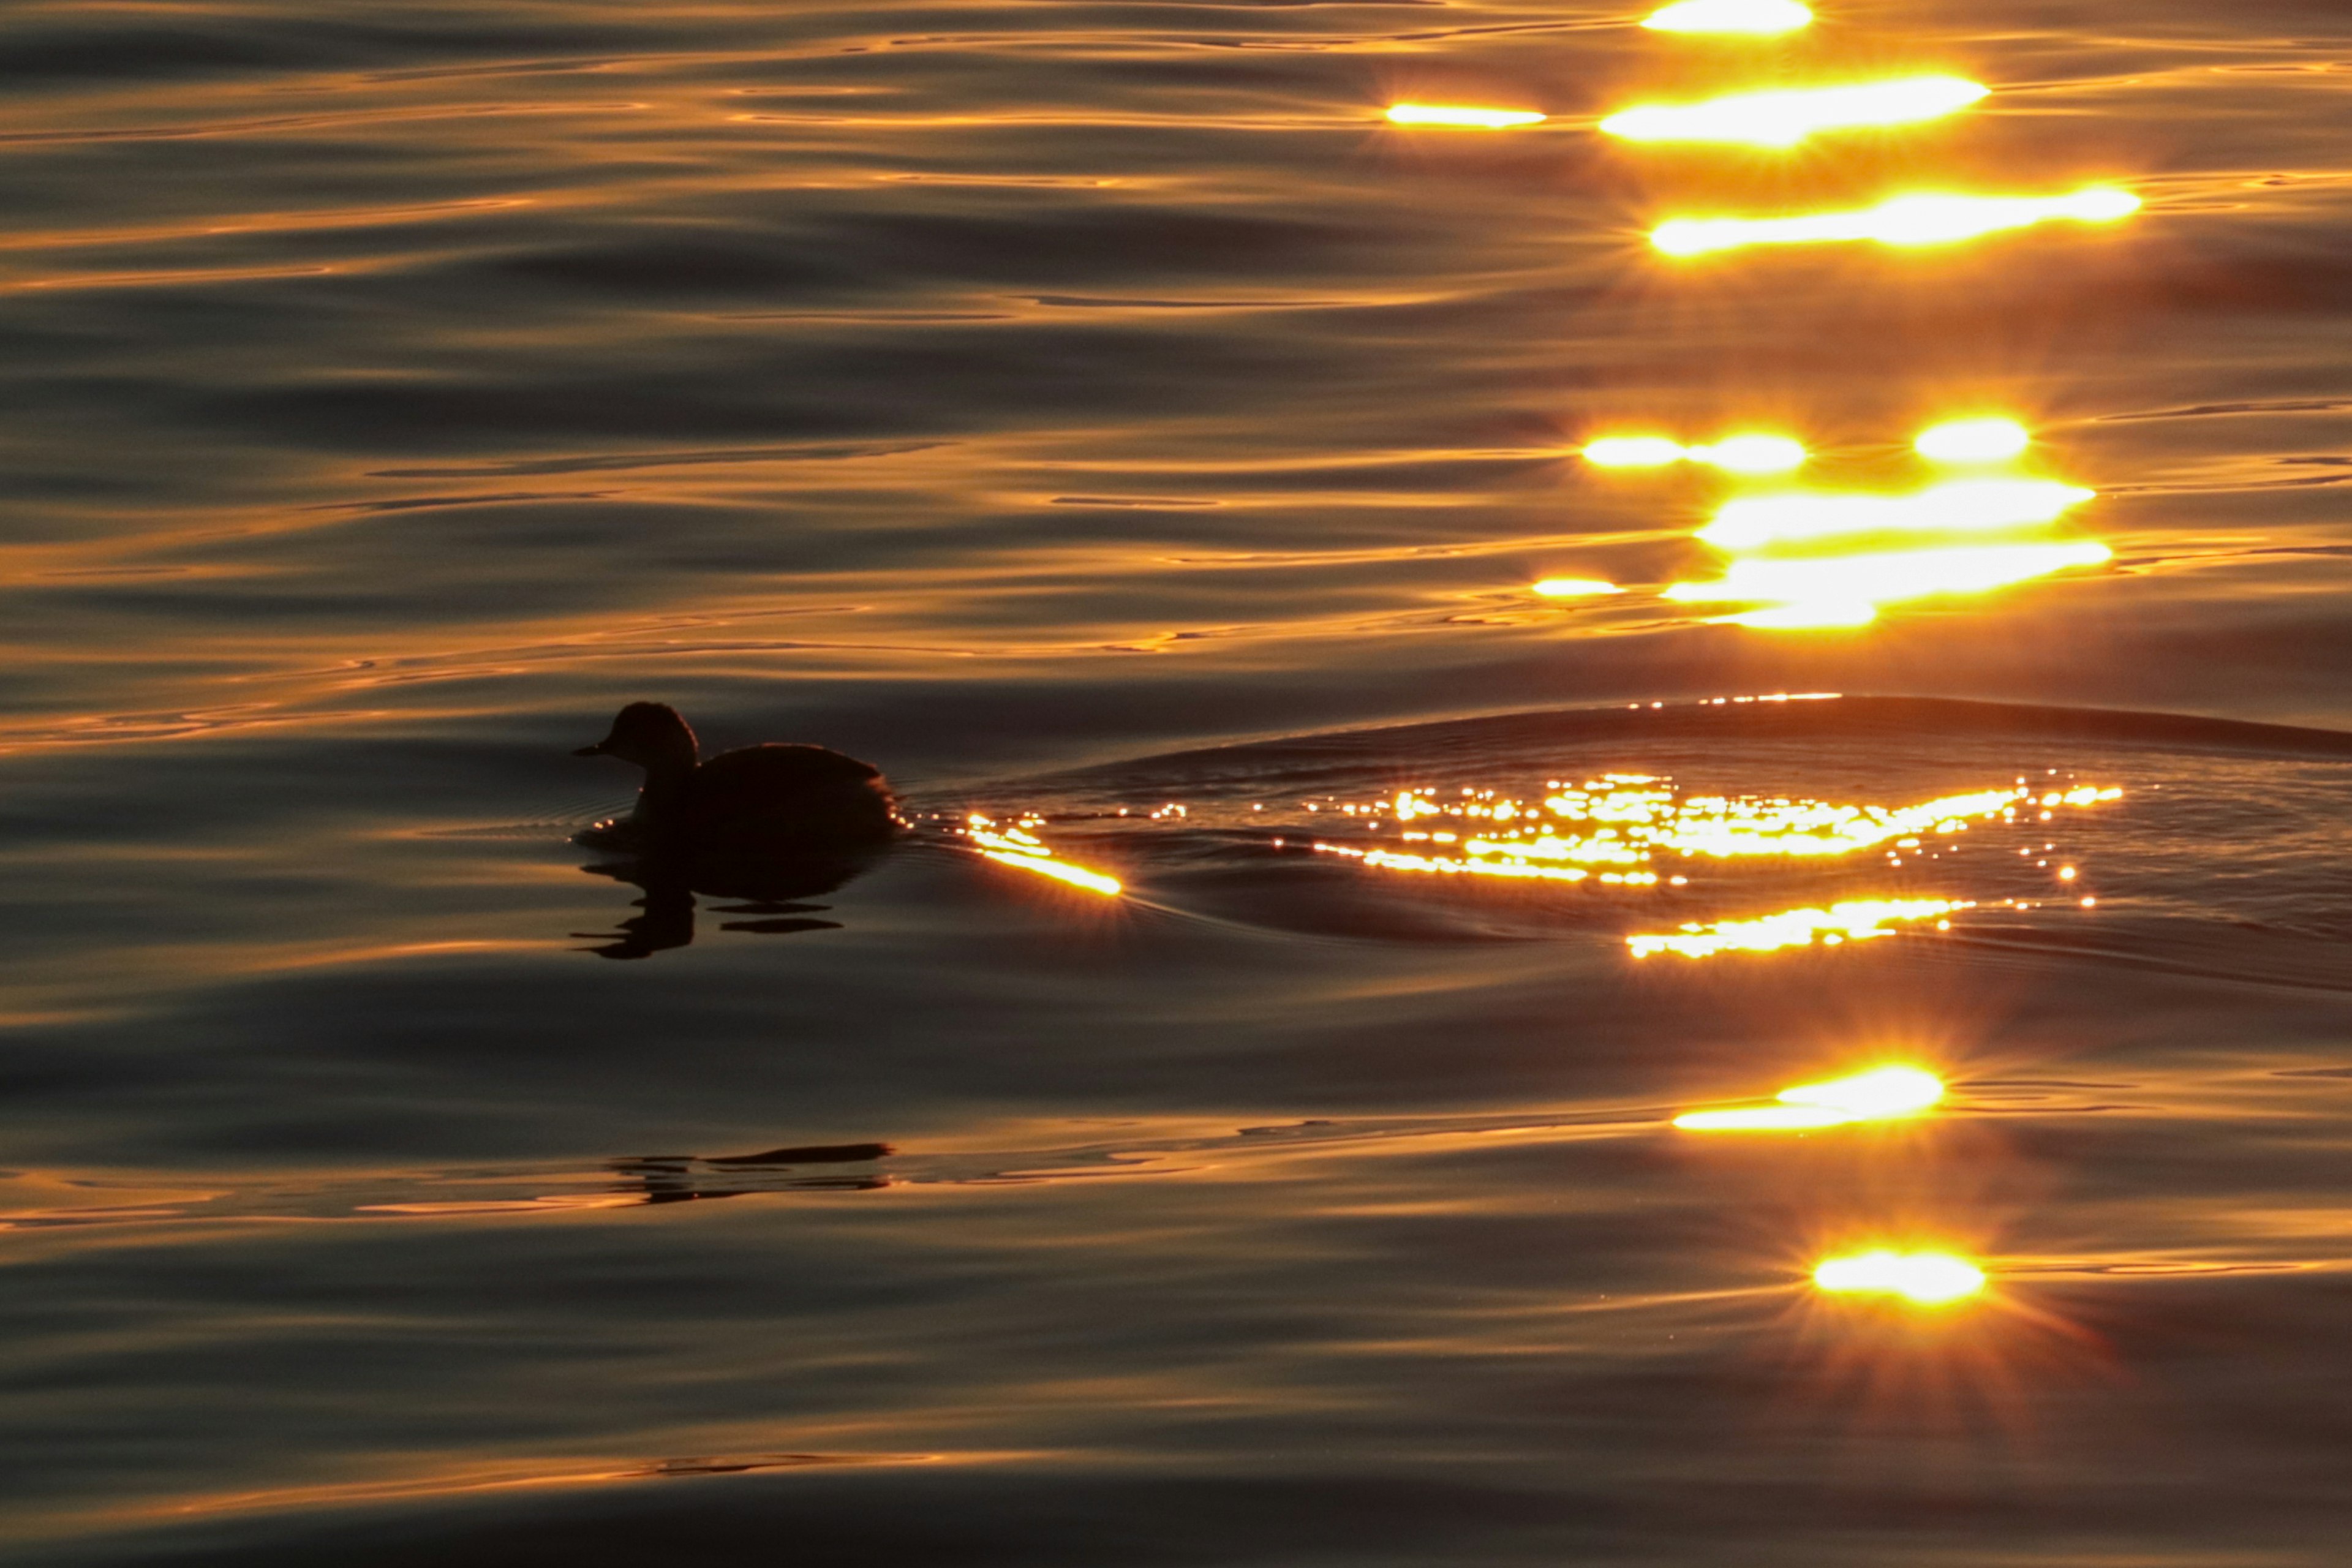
(1857, 920)
(1019, 848)
(1748, 18)
(1752, 455)
(1885, 1094)
(1462, 117)
(1907, 221)
(1846, 590)
(1962, 506)
(1787, 119)
(1922, 1278)
(1634, 452)
(1974, 441)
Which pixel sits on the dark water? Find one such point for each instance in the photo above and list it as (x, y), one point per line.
(1090, 411)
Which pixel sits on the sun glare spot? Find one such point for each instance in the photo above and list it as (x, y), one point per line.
(1751, 18)
(1887, 1094)
(1575, 588)
(1907, 221)
(1963, 506)
(1832, 591)
(1875, 1095)
(1462, 117)
(1634, 452)
(1922, 1278)
(1974, 441)
(1787, 119)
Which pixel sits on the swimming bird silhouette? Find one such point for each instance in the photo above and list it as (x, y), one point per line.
(774, 798)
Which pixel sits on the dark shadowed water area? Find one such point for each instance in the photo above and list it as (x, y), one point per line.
(1097, 417)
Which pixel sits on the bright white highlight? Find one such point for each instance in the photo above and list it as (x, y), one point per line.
(1462, 117)
(1922, 1278)
(1904, 221)
(1857, 920)
(1974, 441)
(1887, 1094)
(1787, 119)
(1575, 588)
(1845, 590)
(1751, 18)
(1018, 847)
(1752, 455)
(1963, 506)
(1634, 452)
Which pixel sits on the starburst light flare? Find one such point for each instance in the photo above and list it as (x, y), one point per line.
(1922, 1278)
(1787, 119)
(1905, 222)
(1885, 1094)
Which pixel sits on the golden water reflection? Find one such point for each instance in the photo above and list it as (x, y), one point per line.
(1462, 117)
(1018, 847)
(1922, 1278)
(1974, 441)
(1803, 592)
(1882, 1094)
(1753, 18)
(1788, 118)
(1919, 219)
(1744, 454)
(1621, 826)
(1856, 920)
(1960, 506)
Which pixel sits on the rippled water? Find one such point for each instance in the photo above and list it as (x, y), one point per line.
(1098, 417)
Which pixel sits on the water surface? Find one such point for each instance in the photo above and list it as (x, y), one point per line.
(1099, 417)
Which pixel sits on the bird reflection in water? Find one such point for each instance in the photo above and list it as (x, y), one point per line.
(685, 1178)
(771, 891)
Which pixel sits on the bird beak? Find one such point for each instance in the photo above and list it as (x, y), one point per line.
(598, 750)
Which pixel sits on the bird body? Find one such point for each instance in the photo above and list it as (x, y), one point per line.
(785, 799)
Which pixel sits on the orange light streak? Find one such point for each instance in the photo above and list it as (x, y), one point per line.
(1017, 846)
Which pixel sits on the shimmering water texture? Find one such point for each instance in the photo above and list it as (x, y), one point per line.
(1348, 596)
(1825, 558)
